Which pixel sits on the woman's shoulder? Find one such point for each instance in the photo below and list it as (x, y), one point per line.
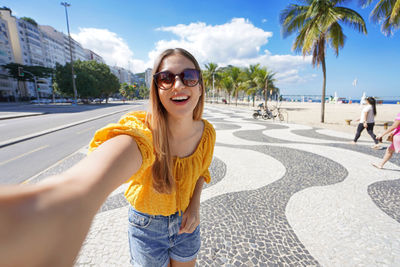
(137, 119)
(209, 132)
(208, 127)
(367, 108)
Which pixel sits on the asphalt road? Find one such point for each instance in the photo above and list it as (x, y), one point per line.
(23, 160)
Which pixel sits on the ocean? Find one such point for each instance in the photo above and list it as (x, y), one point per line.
(317, 99)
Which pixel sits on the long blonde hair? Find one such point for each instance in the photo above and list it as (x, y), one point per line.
(162, 169)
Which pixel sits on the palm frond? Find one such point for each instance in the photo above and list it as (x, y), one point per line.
(395, 15)
(351, 18)
(292, 19)
(336, 37)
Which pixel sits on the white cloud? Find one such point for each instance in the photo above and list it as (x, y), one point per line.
(237, 42)
(113, 49)
(264, 20)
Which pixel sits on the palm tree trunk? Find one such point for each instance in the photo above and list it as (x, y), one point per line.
(236, 95)
(323, 90)
(265, 95)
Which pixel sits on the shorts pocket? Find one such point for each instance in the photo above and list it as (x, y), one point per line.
(139, 219)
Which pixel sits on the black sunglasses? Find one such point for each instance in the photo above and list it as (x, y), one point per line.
(166, 79)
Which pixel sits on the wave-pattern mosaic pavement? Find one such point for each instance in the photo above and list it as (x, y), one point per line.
(281, 195)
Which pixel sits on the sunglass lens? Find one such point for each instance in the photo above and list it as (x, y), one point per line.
(190, 77)
(165, 79)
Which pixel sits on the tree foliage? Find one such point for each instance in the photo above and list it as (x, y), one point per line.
(317, 24)
(38, 71)
(386, 12)
(93, 79)
(30, 20)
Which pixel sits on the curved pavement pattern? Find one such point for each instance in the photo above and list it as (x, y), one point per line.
(281, 195)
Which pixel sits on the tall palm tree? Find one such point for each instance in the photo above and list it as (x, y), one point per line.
(387, 12)
(209, 75)
(234, 73)
(251, 80)
(265, 80)
(318, 23)
(227, 84)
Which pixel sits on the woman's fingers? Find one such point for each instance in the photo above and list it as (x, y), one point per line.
(189, 224)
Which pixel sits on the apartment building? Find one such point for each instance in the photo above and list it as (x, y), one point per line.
(78, 52)
(53, 42)
(90, 55)
(122, 74)
(7, 85)
(148, 76)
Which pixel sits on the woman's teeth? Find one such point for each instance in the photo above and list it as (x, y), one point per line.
(180, 98)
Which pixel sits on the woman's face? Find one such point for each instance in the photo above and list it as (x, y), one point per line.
(180, 100)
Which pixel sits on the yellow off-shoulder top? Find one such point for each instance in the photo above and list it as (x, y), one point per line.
(140, 193)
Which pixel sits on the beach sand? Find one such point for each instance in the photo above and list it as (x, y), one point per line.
(335, 115)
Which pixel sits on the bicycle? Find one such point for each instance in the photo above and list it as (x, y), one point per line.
(276, 112)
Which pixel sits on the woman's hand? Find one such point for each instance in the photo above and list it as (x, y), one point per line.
(365, 124)
(190, 218)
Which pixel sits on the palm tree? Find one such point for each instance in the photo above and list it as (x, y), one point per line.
(317, 24)
(210, 73)
(251, 80)
(227, 84)
(234, 73)
(265, 80)
(387, 12)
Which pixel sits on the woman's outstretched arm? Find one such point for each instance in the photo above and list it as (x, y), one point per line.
(45, 224)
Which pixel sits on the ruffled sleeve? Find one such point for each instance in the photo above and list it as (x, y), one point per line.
(208, 150)
(133, 124)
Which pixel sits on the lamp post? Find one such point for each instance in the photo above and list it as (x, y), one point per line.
(213, 88)
(36, 88)
(65, 4)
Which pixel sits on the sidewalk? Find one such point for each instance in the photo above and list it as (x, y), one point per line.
(281, 194)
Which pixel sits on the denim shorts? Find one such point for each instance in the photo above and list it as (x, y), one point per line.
(154, 239)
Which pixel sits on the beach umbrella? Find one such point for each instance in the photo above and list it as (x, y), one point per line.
(362, 101)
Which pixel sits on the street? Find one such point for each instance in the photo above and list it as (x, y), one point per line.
(23, 160)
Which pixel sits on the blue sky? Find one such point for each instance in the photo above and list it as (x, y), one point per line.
(239, 32)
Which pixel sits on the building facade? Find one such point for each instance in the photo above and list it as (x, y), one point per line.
(148, 77)
(8, 86)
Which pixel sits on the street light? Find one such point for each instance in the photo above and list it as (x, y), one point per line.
(65, 4)
(213, 88)
(35, 81)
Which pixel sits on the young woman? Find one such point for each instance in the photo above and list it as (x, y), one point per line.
(367, 121)
(163, 154)
(176, 148)
(395, 146)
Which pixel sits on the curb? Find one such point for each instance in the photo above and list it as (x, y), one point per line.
(22, 116)
(37, 134)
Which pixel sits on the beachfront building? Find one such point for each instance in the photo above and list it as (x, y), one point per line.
(53, 42)
(90, 55)
(78, 52)
(8, 86)
(121, 73)
(16, 39)
(147, 76)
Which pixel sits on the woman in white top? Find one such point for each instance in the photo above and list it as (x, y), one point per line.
(367, 121)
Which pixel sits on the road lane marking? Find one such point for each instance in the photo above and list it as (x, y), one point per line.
(86, 130)
(23, 155)
(82, 150)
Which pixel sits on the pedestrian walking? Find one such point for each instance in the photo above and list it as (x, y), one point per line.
(367, 120)
(394, 138)
(163, 154)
